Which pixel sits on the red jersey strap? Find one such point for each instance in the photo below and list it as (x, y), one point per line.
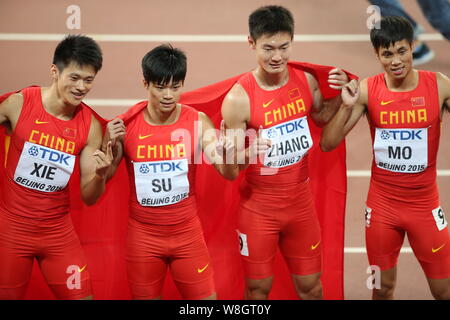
(133, 111)
(6, 95)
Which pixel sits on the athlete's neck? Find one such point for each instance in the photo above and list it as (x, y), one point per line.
(54, 103)
(157, 117)
(271, 81)
(408, 83)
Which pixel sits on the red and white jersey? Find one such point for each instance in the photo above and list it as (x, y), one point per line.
(405, 130)
(283, 115)
(40, 159)
(161, 166)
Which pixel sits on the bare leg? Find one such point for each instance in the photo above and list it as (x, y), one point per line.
(258, 289)
(308, 287)
(440, 288)
(388, 280)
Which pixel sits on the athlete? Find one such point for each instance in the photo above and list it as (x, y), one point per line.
(404, 108)
(162, 146)
(49, 128)
(276, 208)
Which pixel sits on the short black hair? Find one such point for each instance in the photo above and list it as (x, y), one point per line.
(79, 49)
(163, 64)
(270, 20)
(391, 30)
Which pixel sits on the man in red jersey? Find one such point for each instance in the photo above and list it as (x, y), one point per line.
(162, 148)
(49, 128)
(404, 108)
(276, 206)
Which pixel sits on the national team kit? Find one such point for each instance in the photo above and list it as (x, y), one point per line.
(39, 162)
(403, 194)
(163, 224)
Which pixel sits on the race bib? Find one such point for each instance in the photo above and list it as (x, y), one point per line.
(401, 150)
(439, 217)
(161, 183)
(243, 244)
(290, 142)
(44, 169)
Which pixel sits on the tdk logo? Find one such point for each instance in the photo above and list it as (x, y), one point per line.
(401, 134)
(144, 169)
(49, 155)
(160, 167)
(33, 151)
(290, 126)
(272, 133)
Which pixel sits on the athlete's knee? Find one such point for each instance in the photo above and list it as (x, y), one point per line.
(258, 289)
(309, 287)
(386, 290)
(384, 293)
(441, 294)
(441, 290)
(387, 285)
(91, 297)
(211, 297)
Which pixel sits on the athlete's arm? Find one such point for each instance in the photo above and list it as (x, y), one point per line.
(323, 110)
(10, 110)
(236, 114)
(217, 149)
(352, 108)
(94, 165)
(114, 133)
(444, 91)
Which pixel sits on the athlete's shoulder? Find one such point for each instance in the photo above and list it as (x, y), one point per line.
(15, 99)
(312, 81)
(236, 105)
(237, 96)
(442, 78)
(11, 107)
(190, 113)
(443, 84)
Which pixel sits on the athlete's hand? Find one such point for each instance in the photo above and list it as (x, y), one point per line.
(115, 131)
(259, 145)
(225, 145)
(103, 161)
(337, 78)
(350, 93)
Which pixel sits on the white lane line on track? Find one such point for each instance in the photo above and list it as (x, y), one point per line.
(363, 250)
(366, 173)
(94, 103)
(197, 37)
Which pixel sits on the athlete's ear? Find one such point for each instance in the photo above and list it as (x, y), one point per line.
(145, 83)
(376, 51)
(54, 71)
(251, 42)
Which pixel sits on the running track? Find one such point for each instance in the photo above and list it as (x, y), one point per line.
(213, 34)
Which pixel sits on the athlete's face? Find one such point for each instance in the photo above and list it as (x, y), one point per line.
(164, 97)
(397, 59)
(272, 51)
(73, 82)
